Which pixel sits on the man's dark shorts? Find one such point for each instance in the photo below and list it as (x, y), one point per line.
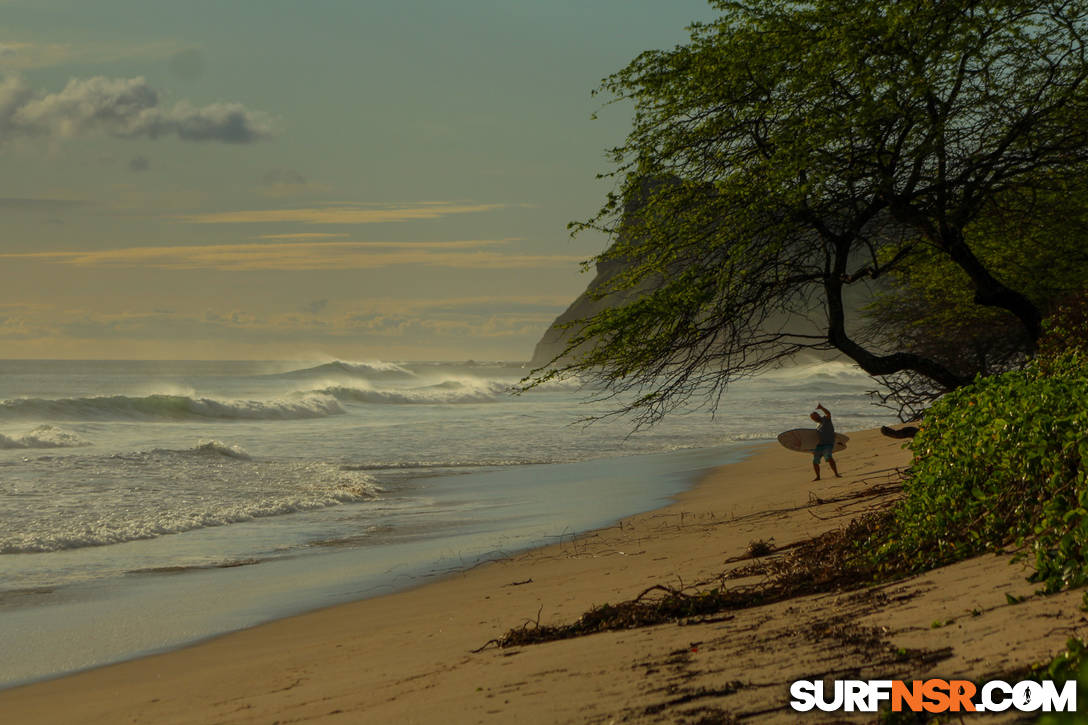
(823, 450)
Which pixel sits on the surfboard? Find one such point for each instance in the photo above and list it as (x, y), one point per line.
(806, 439)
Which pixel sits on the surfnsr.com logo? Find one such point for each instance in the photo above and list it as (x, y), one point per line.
(934, 696)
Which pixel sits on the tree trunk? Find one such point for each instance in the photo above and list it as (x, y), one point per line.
(878, 364)
(991, 292)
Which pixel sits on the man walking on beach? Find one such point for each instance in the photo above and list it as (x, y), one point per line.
(826, 445)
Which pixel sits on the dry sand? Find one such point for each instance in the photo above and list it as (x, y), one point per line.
(408, 657)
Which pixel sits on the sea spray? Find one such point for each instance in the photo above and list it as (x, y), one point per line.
(374, 370)
(448, 392)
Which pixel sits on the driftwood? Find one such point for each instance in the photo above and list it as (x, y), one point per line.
(908, 432)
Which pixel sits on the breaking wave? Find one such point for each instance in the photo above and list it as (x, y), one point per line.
(44, 436)
(169, 407)
(450, 391)
(829, 376)
(154, 501)
(375, 370)
(210, 449)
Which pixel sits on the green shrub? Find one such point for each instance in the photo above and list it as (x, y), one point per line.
(1070, 664)
(1066, 330)
(999, 461)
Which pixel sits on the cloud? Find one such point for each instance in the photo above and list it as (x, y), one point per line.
(241, 326)
(409, 327)
(342, 214)
(169, 326)
(543, 307)
(398, 325)
(39, 205)
(17, 328)
(300, 235)
(121, 107)
(466, 254)
(477, 306)
(22, 321)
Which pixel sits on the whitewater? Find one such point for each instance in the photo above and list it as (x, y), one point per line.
(147, 504)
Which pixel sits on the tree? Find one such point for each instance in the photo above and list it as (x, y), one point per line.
(1035, 242)
(792, 152)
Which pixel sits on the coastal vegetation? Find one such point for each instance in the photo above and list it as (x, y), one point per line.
(1002, 461)
(1033, 241)
(898, 182)
(794, 158)
(999, 465)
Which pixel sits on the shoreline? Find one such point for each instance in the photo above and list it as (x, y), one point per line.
(408, 656)
(111, 622)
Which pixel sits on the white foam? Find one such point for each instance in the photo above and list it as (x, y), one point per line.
(831, 370)
(169, 407)
(222, 449)
(374, 369)
(448, 391)
(142, 502)
(44, 436)
(763, 436)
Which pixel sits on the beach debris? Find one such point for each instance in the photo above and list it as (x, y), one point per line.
(908, 432)
(828, 562)
(760, 547)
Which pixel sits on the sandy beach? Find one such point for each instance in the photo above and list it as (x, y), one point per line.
(409, 657)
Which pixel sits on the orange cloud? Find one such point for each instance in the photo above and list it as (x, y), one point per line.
(341, 214)
(300, 235)
(466, 254)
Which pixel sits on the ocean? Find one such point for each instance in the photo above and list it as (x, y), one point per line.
(145, 505)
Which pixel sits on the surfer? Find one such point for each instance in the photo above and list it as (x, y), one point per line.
(826, 430)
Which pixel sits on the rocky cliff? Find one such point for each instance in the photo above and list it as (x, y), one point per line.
(555, 340)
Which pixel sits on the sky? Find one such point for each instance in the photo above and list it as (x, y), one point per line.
(290, 179)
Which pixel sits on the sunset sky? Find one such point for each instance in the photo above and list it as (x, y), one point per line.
(279, 179)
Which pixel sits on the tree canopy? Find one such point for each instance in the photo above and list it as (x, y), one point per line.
(1034, 242)
(793, 152)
